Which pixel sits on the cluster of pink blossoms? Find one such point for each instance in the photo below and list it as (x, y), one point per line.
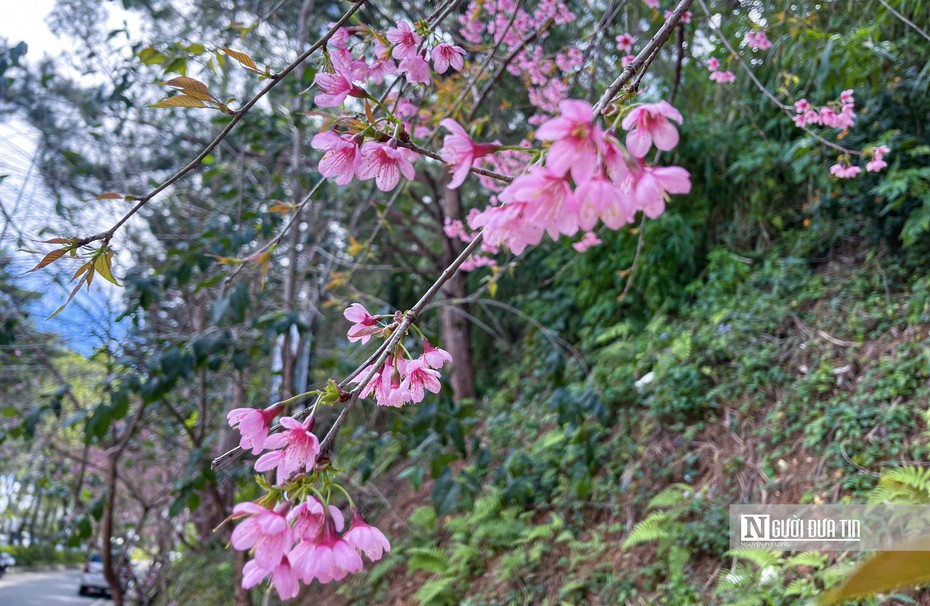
(720, 77)
(805, 115)
(302, 542)
(757, 40)
(399, 380)
(610, 184)
(295, 542)
(844, 170)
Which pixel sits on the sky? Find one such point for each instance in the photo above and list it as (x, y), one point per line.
(31, 207)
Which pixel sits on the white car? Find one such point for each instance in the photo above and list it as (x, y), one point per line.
(92, 580)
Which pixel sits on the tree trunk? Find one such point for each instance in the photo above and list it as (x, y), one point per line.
(456, 329)
(106, 552)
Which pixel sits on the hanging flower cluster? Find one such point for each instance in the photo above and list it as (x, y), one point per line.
(401, 379)
(757, 40)
(839, 114)
(720, 77)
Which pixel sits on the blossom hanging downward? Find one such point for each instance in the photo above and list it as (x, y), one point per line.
(293, 450)
(253, 424)
(649, 124)
(385, 163)
(364, 325)
(459, 151)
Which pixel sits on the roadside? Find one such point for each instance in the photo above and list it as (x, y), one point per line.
(59, 587)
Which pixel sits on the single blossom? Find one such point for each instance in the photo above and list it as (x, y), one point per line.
(757, 40)
(385, 163)
(713, 64)
(364, 325)
(253, 424)
(875, 165)
(283, 577)
(341, 156)
(625, 42)
(846, 97)
(445, 55)
(366, 538)
(652, 3)
(404, 39)
(434, 356)
(627, 60)
(335, 86)
(459, 151)
(418, 379)
(265, 530)
(723, 77)
(328, 558)
(845, 171)
(550, 204)
(588, 240)
(415, 69)
(600, 198)
(649, 124)
(801, 106)
(296, 449)
(575, 140)
(652, 184)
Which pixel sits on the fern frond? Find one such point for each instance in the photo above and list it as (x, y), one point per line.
(760, 558)
(653, 528)
(670, 497)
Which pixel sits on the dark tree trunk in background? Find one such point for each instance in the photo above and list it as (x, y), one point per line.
(456, 328)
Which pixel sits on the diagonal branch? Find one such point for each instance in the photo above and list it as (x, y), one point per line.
(276, 79)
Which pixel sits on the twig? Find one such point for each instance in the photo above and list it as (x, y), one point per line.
(905, 20)
(644, 55)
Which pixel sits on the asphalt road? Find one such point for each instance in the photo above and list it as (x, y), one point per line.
(44, 589)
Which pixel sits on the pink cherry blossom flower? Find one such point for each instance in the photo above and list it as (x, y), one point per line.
(445, 55)
(366, 538)
(283, 577)
(340, 158)
(297, 450)
(364, 325)
(458, 150)
(265, 530)
(811, 116)
(652, 184)
(385, 163)
(336, 86)
(723, 77)
(588, 240)
(713, 64)
(875, 165)
(652, 3)
(340, 38)
(685, 17)
(801, 106)
(379, 69)
(846, 97)
(434, 356)
(845, 171)
(757, 40)
(253, 424)
(827, 116)
(415, 68)
(550, 205)
(575, 140)
(419, 378)
(800, 120)
(505, 225)
(627, 60)
(649, 124)
(600, 198)
(326, 559)
(404, 39)
(625, 42)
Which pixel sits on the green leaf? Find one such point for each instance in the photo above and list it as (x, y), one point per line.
(331, 395)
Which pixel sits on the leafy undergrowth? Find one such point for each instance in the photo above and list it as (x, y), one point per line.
(789, 379)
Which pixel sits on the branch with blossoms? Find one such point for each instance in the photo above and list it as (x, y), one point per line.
(839, 114)
(581, 172)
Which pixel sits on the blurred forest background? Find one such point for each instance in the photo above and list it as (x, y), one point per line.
(766, 340)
